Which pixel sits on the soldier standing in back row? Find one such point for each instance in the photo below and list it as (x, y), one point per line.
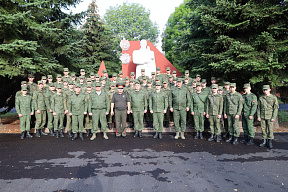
(249, 109)
(267, 113)
(48, 94)
(233, 105)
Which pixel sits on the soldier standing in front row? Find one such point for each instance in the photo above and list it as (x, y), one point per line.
(77, 107)
(267, 113)
(25, 108)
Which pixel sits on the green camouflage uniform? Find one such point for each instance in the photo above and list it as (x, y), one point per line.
(138, 103)
(249, 109)
(24, 106)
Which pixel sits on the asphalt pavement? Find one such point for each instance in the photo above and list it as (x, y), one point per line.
(146, 164)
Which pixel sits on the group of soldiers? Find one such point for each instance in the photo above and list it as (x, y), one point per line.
(95, 100)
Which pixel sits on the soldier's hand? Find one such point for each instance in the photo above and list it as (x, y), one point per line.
(107, 113)
(225, 116)
(50, 111)
(259, 119)
(54, 114)
(112, 113)
(187, 108)
(128, 112)
(85, 113)
(207, 116)
(204, 113)
(66, 111)
(90, 114)
(38, 111)
(164, 111)
(171, 109)
(272, 120)
(151, 111)
(145, 111)
(250, 117)
(192, 113)
(236, 116)
(70, 114)
(20, 115)
(219, 116)
(31, 113)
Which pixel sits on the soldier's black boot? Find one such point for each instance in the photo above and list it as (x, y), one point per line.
(51, 133)
(69, 134)
(211, 138)
(197, 135)
(61, 133)
(43, 132)
(22, 135)
(81, 136)
(140, 134)
(74, 136)
(160, 135)
(263, 143)
(38, 133)
(225, 135)
(245, 140)
(156, 135)
(200, 135)
(235, 142)
(270, 145)
(28, 134)
(218, 138)
(109, 125)
(57, 134)
(136, 134)
(230, 139)
(88, 132)
(250, 141)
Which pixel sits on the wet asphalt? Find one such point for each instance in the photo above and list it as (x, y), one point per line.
(141, 164)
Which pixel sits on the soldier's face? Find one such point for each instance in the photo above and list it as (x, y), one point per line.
(194, 84)
(227, 87)
(132, 76)
(66, 73)
(220, 91)
(81, 80)
(165, 85)
(44, 81)
(89, 89)
(120, 90)
(112, 87)
(213, 81)
(92, 76)
(71, 86)
(247, 90)
(179, 83)
(73, 78)
(40, 86)
(82, 73)
(142, 73)
(232, 89)
(52, 88)
(214, 90)
(50, 79)
(186, 74)
(203, 85)
(137, 87)
(31, 79)
(168, 72)
(266, 91)
(103, 82)
(198, 79)
(65, 83)
(158, 87)
(77, 90)
(59, 79)
(114, 78)
(198, 88)
(186, 81)
(59, 90)
(98, 88)
(24, 92)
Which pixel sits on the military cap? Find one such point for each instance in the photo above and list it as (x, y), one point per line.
(102, 78)
(120, 72)
(81, 77)
(97, 84)
(104, 71)
(71, 83)
(214, 86)
(112, 84)
(132, 73)
(142, 70)
(157, 78)
(50, 76)
(186, 71)
(131, 80)
(232, 84)
(89, 85)
(120, 84)
(174, 72)
(65, 79)
(179, 80)
(43, 78)
(198, 75)
(158, 68)
(153, 73)
(213, 78)
(97, 76)
(198, 84)
(114, 75)
(66, 69)
(92, 74)
(77, 85)
(170, 76)
(137, 82)
(30, 75)
(227, 83)
(194, 80)
(126, 78)
(39, 82)
(59, 75)
(203, 81)
(51, 85)
(149, 81)
(89, 80)
(246, 85)
(158, 83)
(174, 78)
(220, 88)
(73, 75)
(58, 86)
(82, 70)
(23, 82)
(266, 87)
(186, 78)
(164, 82)
(167, 68)
(24, 88)
(144, 78)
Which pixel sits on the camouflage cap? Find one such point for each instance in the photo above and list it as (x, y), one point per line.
(120, 72)
(227, 83)
(97, 76)
(214, 86)
(179, 80)
(126, 78)
(131, 81)
(186, 71)
(164, 82)
(149, 81)
(144, 78)
(114, 75)
(23, 82)
(137, 82)
(24, 88)
(198, 84)
(73, 75)
(142, 70)
(153, 73)
(213, 78)
(71, 83)
(39, 82)
(220, 88)
(104, 71)
(198, 75)
(158, 83)
(43, 78)
(203, 81)
(77, 85)
(186, 78)
(158, 69)
(112, 84)
(194, 80)
(65, 79)
(30, 76)
(232, 84)
(97, 84)
(58, 86)
(174, 78)
(170, 76)
(157, 79)
(50, 76)
(81, 77)
(59, 75)
(102, 79)
(132, 73)
(51, 85)
(66, 69)
(82, 70)
(92, 74)
(266, 87)
(174, 72)
(89, 85)
(167, 68)
(89, 80)
(246, 85)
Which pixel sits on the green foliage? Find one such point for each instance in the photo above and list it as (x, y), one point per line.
(130, 21)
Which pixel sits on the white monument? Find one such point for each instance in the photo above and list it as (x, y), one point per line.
(144, 58)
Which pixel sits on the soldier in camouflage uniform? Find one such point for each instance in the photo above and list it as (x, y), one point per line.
(267, 114)
(233, 105)
(88, 118)
(167, 115)
(68, 93)
(31, 85)
(148, 115)
(48, 94)
(226, 90)
(249, 110)
(140, 78)
(24, 108)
